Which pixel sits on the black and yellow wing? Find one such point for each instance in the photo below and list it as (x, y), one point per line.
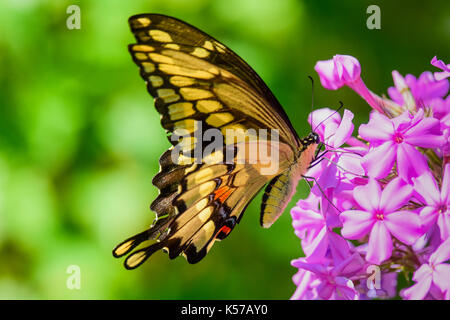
(199, 84)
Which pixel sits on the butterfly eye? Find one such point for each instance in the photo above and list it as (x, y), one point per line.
(316, 137)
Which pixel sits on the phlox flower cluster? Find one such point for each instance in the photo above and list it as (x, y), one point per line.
(380, 205)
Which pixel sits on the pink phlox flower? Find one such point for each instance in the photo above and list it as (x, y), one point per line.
(306, 282)
(394, 140)
(335, 283)
(334, 132)
(345, 70)
(426, 90)
(380, 216)
(436, 202)
(387, 282)
(441, 65)
(313, 221)
(433, 277)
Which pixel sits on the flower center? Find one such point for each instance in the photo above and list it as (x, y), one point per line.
(379, 215)
(398, 137)
(442, 208)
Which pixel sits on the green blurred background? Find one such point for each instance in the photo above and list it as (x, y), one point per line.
(80, 139)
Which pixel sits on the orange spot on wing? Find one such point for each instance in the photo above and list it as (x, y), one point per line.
(225, 230)
(222, 193)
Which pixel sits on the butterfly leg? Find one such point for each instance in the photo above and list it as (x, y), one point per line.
(320, 188)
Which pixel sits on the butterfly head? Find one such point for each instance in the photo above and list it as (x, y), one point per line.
(312, 138)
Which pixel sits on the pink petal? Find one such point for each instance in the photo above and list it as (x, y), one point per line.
(380, 244)
(339, 247)
(303, 281)
(325, 290)
(410, 162)
(349, 267)
(419, 290)
(404, 225)
(422, 273)
(427, 187)
(379, 128)
(347, 68)
(356, 223)
(328, 75)
(441, 75)
(316, 268)
(425, 134)
(380, 160)
(422, 125)
(316, 249)
(445, 189)
(428, 216)
(426, 141)
(441, 276)
(440, 64)
(395, 95)
(345, 289)
(368, 196)
(441, 254)
(443, 222)
(344, 130)
(395, 195)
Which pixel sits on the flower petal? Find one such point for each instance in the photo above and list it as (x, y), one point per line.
(368, 196)
(317, 268)
(379, 128)
(427, 187)
(445, 189)
(380, 160)
(380, 244)
(443, 222)
(404, 225)
(395, 195)
(418, 291)
(441, 254)
(424, 134)
(328, 75)
(428, 216)
(440, 64)
(441, 276)
(356, 223)
(410, 162)
(344, 131)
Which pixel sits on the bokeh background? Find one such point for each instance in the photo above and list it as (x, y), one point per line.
(80, 139)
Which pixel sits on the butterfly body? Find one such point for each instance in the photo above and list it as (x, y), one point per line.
(203, 90)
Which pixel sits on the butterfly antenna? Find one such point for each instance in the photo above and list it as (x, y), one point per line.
(336, 111)
(312, 101)
(307, 178)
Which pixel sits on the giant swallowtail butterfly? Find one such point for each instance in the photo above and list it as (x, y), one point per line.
(199, 84)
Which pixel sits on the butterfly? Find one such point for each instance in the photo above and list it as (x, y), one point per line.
(199, 84)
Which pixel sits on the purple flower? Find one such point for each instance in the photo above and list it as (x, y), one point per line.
(395, 140)
(345, 70)
(313, 223)
(437, 202)
(306, 283)
(441, 65)
(381, 218)
(388, 190)
(333, 130)
(426, 90)
(432, 276)
(335, 283)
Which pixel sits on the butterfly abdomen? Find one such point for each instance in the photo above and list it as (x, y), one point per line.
(276, 197)
(280, 189)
